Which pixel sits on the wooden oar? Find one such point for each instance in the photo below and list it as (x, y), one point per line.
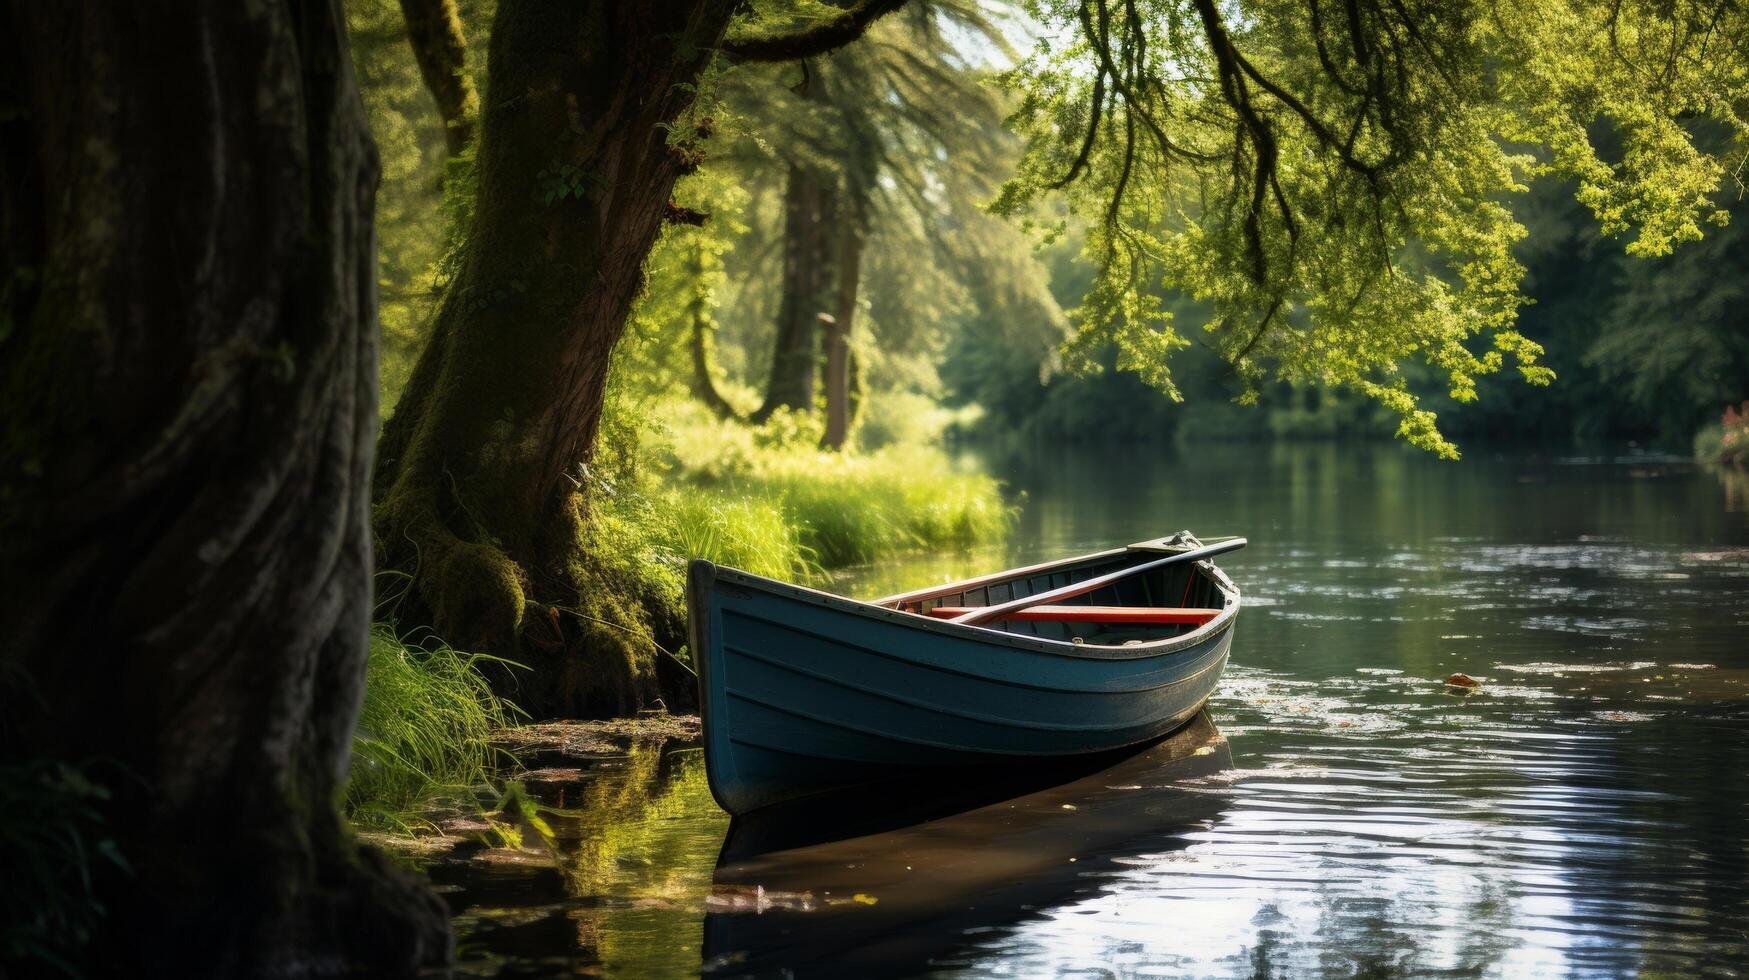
(1073, 589)
(1148, 615)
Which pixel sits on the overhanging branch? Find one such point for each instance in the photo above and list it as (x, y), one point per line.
(822, 37)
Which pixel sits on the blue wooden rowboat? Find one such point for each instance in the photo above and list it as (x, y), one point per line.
(805, 692)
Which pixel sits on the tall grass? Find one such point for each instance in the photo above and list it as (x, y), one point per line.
(746, 532)
(741, 485)
(854, 509)
(428, 713)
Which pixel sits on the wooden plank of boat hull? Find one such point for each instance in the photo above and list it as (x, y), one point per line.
(1094, 614)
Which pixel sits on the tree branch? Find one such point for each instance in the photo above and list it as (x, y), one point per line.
(823, 37)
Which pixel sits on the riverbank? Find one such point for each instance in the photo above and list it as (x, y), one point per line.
(762, 498)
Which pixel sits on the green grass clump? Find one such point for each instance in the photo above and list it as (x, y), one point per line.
(428, 713)
(843, 508)
(671, 482)
(855, 509)
(745, 532)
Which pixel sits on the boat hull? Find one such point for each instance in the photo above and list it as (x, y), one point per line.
(804, 692)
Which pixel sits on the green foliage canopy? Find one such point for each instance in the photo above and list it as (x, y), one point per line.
(1331, 180)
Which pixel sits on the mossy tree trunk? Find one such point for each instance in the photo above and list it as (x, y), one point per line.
(481, 467)
(188, 360)
(434, 29)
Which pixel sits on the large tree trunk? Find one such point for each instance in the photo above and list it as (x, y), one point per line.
(795, 354)
(434, 29)
(850, 243)
(481, 465)
(188, 364)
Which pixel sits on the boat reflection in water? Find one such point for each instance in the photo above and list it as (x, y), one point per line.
(861, 886)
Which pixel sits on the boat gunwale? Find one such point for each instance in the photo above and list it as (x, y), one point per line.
(991, 636)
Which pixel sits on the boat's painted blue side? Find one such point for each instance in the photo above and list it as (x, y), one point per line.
(803, 691)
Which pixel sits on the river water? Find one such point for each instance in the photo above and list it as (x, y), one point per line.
(1338, 812)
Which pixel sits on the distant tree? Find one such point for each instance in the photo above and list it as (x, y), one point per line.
(810, 205)
(701, 325)
(895, 143)
(414, 146)
(434, 29)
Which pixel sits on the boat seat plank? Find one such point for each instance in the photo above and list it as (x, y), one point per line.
(1094, 614)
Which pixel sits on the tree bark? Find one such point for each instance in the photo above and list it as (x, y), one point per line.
(434, 29)
(838, 331)
(188, 360)
(478, 484)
